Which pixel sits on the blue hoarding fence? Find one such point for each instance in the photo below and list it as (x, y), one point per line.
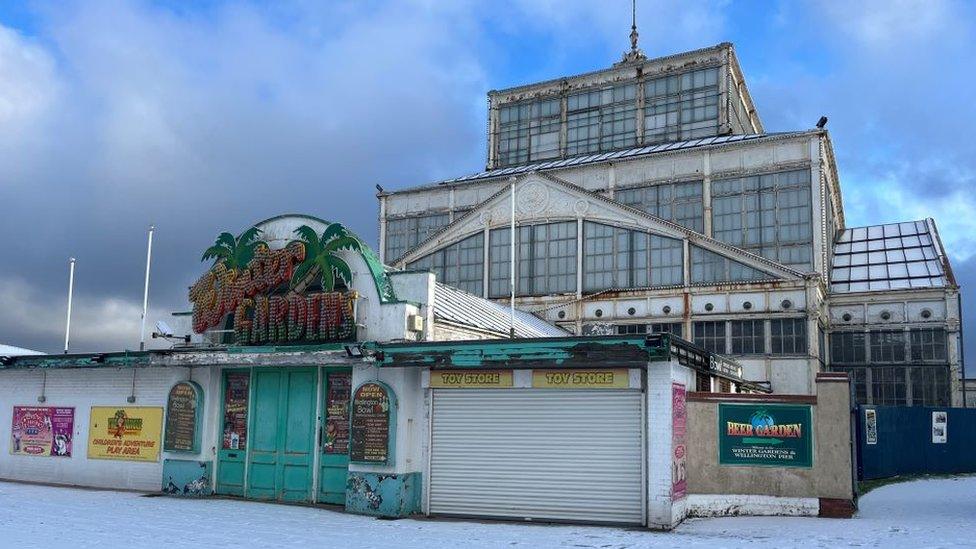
(897, 440)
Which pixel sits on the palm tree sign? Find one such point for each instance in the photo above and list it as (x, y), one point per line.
(234, 253)
(321, 253)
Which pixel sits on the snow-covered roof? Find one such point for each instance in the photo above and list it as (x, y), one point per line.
(889, 257)
(10, 350)
(460, 307)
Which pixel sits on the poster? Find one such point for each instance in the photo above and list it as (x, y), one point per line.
(776, 435)
(42, 431)
(679, 425)
(130, 433)
(236, 394)
(940, 427)
(337, 413)
(871, 425)
(370, 437)
(183, 409)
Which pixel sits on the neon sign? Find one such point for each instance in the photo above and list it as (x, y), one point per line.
(262, 293)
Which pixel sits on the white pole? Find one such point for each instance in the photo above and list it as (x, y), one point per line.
(145, 293)
(71, 289)
(511, 330)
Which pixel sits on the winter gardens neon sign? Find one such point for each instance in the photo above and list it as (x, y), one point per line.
(265, 294)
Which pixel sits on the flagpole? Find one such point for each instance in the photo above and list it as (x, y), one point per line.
(71, 289)
(145, 292)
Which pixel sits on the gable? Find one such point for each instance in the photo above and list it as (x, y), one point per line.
(543, 198)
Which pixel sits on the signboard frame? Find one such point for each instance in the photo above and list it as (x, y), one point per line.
(50, 412)
(748, 439)
(198, 419)
(391, 415)
(94, 434)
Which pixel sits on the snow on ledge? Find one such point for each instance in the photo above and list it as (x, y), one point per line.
(730, 505)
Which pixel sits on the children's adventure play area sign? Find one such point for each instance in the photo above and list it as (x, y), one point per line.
(130, 433)
(42, 431)
(774, 435)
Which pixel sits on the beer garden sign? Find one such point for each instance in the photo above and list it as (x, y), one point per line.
(297, 294)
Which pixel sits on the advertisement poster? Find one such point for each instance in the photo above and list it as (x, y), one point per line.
(679, 425)
(775, 435)
(42, 431)
(370, 424)
(183, 409)
(871, 425)
(130, 433)
(337, 413)
(237, 385)
(940, 427)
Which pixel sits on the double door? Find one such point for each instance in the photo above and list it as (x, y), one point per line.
(271, 434)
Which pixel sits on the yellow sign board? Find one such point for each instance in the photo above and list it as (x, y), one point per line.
(130, 433)
(467, 379)
(615, 378)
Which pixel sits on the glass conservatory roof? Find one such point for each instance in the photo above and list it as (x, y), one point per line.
(888, 257)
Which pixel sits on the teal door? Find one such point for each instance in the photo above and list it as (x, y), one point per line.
(281, 442)
(334, 436)
(236, 393)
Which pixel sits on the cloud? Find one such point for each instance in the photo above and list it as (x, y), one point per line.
(129, 113)
(97, 324)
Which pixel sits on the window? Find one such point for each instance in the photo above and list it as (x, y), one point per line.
(858, 381)
(748, 337)
(930, 385)
(499, 262)
(404, 234)
(888, 386)
(887, 346)
(628, 329)
(678, 202)
(460, 265)
(546, 259)
(848, 348)
(788, 336)
(601, 120)
(711, 336)
(769, 215)
(620, 258)
(528, 131)
(680, 107)
(710, 267)
(666, 328)
(928, 344)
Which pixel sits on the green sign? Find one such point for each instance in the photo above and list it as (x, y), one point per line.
(772, 435)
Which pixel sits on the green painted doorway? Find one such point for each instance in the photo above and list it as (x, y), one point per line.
(282, 428)
(334, 435)
(235, 399)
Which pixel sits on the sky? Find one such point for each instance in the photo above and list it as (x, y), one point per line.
(201, 117)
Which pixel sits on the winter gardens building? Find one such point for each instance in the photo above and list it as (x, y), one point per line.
(649, 197)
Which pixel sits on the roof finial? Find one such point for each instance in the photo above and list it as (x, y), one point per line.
(635, 54)
(633, 28)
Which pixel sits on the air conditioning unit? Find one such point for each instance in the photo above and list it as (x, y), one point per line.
(415, 323)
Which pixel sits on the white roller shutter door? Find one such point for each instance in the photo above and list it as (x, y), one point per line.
(565, 455)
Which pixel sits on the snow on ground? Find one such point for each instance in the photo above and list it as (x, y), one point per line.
(923, 513)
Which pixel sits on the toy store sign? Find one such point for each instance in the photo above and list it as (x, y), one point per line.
(263, 309)
(774, 435)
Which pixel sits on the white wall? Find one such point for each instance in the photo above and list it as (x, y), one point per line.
(82, 389)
